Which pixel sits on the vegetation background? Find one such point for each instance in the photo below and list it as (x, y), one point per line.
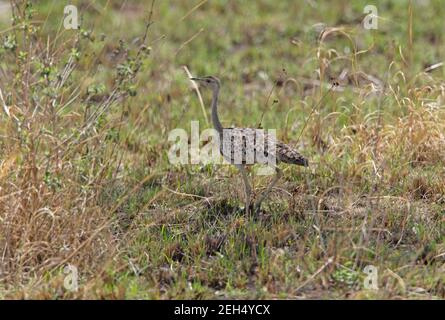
(85, 179)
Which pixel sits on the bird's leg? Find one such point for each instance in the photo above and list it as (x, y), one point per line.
(247, 187)
(267, 191)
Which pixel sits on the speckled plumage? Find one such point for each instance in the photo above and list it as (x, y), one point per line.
(240, 139)
(244, 146)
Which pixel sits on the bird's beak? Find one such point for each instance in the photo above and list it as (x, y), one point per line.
(194, 79)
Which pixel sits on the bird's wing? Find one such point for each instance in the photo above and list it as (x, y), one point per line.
(248, 146)
(288, 154)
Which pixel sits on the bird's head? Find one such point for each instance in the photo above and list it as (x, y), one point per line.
(208, 81)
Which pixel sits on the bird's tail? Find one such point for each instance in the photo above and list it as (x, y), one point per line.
(287, 154)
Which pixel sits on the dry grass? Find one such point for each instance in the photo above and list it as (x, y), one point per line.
(84, 177)
(58, 154)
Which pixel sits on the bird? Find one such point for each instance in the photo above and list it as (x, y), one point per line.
(241, 141)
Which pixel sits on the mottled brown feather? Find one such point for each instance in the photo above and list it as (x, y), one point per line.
(242, 137)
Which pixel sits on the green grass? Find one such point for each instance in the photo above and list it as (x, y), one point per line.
(372, 195)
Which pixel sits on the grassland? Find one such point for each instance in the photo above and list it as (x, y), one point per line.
(85, 178)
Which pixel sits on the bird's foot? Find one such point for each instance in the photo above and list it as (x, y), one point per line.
(248, 209)
(251, 209)
(257, 208)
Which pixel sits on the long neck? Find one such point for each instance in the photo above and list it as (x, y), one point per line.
(215, 118)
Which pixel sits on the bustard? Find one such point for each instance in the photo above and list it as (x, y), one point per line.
(283, 152)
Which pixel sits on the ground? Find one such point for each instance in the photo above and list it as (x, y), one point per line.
(87, 191)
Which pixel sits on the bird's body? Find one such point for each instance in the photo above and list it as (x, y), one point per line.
(260, 143)
(244, 146)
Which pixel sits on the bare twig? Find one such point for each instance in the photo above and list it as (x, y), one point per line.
(189, 40)
(5, 107)
(195, 87)
(312, 277)
(193, 9)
